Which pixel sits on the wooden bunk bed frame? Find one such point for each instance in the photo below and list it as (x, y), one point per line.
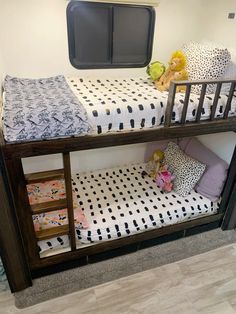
(17, 233)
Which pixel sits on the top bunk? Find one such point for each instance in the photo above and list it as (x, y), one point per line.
(58, 114)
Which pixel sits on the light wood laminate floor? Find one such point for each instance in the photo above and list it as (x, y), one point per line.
(203, 284)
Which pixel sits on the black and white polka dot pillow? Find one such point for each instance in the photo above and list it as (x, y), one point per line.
(205, 61)
(187, 170)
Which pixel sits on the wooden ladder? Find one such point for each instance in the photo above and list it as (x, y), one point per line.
(46, 207)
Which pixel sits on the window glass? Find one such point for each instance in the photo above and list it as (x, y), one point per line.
(103, 35)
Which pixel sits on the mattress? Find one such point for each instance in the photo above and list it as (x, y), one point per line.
(96, 105)
(121, 201)
(134, 103)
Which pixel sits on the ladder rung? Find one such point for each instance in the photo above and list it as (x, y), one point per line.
(44, 176)
(49, 206)
(52, 232)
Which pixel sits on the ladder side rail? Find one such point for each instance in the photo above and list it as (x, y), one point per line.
(69, 196)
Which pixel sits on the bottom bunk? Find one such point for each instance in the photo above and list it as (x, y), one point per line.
(114, 203)
(115, 211)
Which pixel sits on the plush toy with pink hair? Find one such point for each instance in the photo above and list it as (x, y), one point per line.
(164, 179)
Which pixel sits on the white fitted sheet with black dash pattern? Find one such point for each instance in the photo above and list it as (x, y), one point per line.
(116, 104)
(120, 202)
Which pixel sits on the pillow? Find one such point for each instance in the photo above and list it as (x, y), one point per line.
(49, 191)
(230, 72)
(212, 182)
(205, 61)
(187, 170)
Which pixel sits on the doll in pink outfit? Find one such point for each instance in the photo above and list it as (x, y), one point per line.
(164, 179)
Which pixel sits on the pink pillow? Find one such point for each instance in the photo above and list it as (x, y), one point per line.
(212, 182)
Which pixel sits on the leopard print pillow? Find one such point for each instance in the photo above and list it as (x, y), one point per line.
(187, 170)
(205, 61)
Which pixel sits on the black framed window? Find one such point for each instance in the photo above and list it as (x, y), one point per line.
(105, 35)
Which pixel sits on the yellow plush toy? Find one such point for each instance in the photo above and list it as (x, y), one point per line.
(176, 71)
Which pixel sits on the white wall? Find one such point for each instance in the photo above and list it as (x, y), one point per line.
(34, 44)
(176, 24)
(34, 36)
(2, 70)
(215, 24)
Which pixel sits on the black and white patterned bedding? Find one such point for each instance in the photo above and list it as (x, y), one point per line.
(47, 108)
(41, 108)
(135, 103)
(119, 202)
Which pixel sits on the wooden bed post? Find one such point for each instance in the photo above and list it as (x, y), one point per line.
(229, 221)
(23, 210)
(12, 252)
(69, 197)
(228, 202)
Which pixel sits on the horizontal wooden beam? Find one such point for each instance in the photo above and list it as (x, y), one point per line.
(52, 232)
(109, 245)
(201, 82)
(44, 176)
(36, 148)
(49, 206)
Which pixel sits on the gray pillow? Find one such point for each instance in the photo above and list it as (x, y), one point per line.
(187, 170)
(212, 182)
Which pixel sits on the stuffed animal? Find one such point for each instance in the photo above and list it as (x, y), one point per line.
(164, 179)
(181, 76)
(155, 70)
(175, 71)
(154, 163)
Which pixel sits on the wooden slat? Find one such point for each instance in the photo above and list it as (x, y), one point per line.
(44, 176)
(56, 146)
(52, 232)
(215, 101)
(69, 196)
(109, 245)
(228, 104)
(201, 102)
(49, 206)
(185, 107)
(170, 104)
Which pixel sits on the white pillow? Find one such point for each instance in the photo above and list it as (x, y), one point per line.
(230, 72)
(205, 61)
(187, 170)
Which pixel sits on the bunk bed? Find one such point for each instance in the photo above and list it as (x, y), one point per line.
(220, 118)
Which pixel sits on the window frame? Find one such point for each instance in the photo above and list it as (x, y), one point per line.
(71, 37)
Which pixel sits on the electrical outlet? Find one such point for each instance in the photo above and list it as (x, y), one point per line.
(231, 15)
